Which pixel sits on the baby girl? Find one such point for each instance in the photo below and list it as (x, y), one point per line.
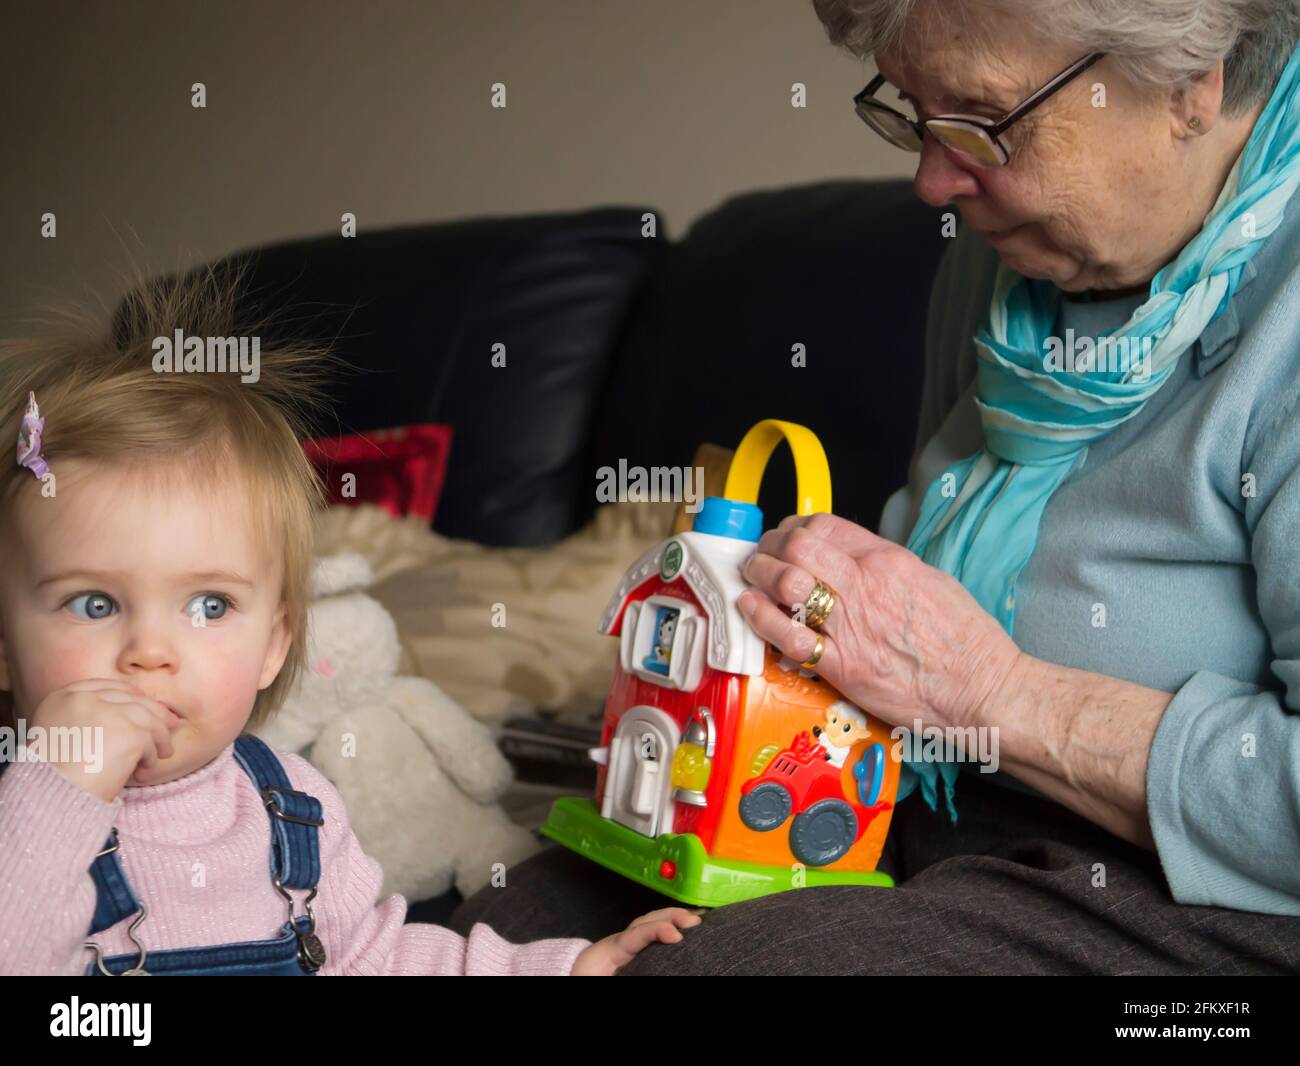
(156, 534)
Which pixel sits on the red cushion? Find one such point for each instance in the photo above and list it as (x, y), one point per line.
(401, 470)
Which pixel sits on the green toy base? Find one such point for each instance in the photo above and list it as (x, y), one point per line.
(701, 879)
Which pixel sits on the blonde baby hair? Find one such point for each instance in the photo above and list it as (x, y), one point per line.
(103, 401)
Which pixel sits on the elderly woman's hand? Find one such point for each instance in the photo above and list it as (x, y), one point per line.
(903, 641)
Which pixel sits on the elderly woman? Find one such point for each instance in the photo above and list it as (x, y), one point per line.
(1102, 559)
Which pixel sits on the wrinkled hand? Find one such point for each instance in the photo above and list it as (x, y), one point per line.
(904, 639)
(606, 957)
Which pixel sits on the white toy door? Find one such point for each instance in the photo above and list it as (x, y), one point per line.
(638, 788)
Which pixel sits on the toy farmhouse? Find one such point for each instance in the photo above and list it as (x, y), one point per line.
(727, 771)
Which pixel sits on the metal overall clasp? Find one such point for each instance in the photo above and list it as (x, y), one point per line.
(138, 969)
(311, 952)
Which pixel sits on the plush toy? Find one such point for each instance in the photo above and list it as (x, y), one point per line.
(420, 777)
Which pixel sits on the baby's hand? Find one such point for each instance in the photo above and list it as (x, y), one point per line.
(134, 730)
(606, 957)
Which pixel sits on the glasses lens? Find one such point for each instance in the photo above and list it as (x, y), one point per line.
(969, 140)
(890, 125)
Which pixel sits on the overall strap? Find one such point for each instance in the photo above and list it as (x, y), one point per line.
(295, 850)
(114, 899)
(295, 816)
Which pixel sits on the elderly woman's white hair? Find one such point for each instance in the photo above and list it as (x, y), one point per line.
(1156, 43)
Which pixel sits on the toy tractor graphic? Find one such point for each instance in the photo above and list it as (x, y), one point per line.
(801, 780)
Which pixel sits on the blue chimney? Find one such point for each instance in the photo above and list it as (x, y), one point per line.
(729, 518)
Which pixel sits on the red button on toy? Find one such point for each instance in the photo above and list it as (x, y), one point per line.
(667, 870)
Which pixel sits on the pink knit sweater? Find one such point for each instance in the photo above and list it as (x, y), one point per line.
(197, 852)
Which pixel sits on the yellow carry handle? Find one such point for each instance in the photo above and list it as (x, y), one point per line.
(812, 472)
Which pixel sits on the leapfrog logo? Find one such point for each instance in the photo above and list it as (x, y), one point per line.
(102, 1019)
(672, 561)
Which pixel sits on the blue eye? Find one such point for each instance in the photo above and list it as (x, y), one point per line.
(209, 606)
(97, 605)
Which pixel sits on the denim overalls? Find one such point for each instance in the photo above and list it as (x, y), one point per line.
(295, 863)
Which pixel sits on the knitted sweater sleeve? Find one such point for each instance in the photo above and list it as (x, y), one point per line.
(364, 934)
(50, 832)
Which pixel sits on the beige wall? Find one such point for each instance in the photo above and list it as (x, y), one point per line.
(382, 109)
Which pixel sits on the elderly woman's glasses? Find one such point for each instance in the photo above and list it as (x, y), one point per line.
(974, 136)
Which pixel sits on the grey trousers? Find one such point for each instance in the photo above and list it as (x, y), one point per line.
(1011, 889)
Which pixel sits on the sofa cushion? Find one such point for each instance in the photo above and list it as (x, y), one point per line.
(843, 268)
(417, 310)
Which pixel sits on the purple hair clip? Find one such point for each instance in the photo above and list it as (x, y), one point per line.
(29, 439)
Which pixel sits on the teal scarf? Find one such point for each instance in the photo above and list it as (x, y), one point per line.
(979, 520)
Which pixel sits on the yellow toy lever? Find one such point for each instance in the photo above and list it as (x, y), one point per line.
(812, 472)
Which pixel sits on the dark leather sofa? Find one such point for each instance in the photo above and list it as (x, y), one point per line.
(624, 346)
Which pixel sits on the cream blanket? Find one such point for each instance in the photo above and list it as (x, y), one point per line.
(446, 595)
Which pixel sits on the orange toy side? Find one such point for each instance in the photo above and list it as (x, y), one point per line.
(777, 707)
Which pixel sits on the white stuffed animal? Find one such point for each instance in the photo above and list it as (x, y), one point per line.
(420, 777)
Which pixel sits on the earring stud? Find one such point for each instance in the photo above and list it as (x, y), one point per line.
(1194, 122)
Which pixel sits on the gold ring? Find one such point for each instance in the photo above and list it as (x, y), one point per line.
(818, 606)
(817, 654)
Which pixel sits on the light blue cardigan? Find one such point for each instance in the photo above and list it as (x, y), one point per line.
(1196, 564)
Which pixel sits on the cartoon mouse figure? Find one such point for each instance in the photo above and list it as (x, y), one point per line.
(844, 725)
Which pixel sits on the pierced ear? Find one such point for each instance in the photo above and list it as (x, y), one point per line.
(1195, 108)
